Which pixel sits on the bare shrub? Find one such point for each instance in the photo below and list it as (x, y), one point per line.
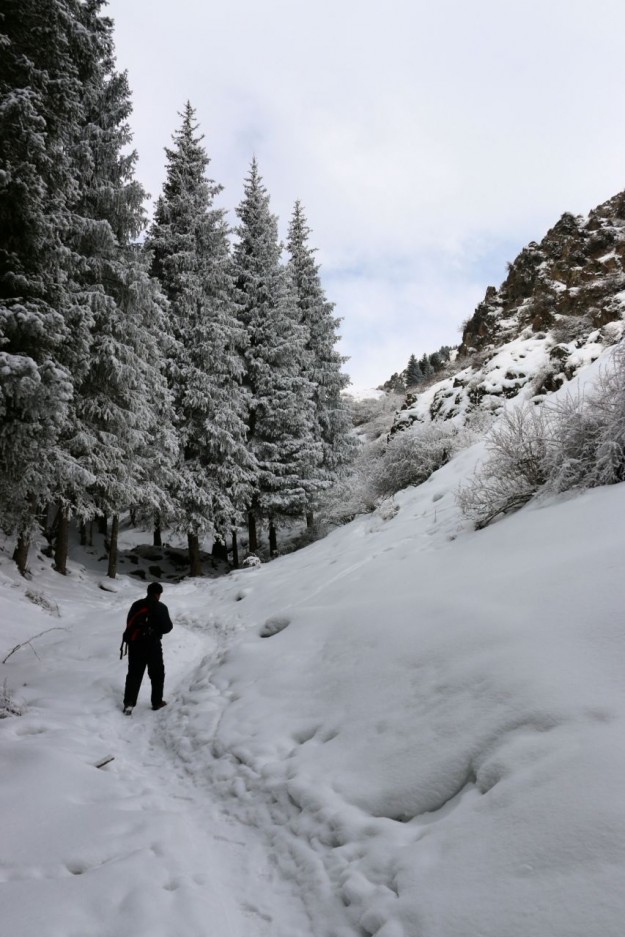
(590, 433)
(576, 433)
(574, 442)
(515, 470)
(354, 493)
(608, 406)
(8, 706)
(384, 467)
(413, 455)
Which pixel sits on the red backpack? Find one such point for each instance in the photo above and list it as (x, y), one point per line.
(138, 627)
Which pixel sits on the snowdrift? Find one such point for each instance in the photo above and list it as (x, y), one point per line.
(433, 734)
(410, 729)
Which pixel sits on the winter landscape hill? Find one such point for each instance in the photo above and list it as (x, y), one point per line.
(412, 725)
(407, 729)
(410, 728)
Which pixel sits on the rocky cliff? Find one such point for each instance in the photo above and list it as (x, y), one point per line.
(561, 304)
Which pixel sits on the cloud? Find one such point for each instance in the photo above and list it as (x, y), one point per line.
(427, 142)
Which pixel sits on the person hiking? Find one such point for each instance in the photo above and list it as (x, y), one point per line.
(148, 620)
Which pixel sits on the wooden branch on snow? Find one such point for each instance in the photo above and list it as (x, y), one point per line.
(29, 642)
(104, 761)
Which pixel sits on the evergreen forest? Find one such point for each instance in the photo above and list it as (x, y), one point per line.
(177, 369)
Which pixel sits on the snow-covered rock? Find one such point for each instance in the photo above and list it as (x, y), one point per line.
(561, 305)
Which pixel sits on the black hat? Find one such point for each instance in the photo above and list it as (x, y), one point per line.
(155, 588)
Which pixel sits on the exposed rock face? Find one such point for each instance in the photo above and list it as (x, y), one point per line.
(577, 271)
(561, 305)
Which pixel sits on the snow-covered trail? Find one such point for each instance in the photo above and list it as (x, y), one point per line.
(135, 848)
(408, 728)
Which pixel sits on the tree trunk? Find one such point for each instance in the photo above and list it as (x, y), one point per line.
(195, 566)
(310, 519)
(90, 534)
(235, 549)
(273, 540)
(112, 566)
(61, 547)
(52, 524)
(42, 519)
(220, 549)
(252, 537)
(83, 534)
(103, 524)
(20, 554)
(158, 538)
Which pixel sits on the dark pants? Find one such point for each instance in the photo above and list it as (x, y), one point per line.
(142, 654)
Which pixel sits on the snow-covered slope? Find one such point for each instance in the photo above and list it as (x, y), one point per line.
(408, 729)
(530, 367)
(435, 736)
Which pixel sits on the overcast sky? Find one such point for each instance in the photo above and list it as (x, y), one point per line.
(428, 140)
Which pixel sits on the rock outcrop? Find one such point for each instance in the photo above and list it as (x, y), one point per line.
(561, 304)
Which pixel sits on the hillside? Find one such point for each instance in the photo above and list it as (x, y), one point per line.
(561, 305)
(407, 728)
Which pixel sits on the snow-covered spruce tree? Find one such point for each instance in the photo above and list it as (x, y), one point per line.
(191, 259)
(322, 363)
(414, 374)
(119, 440)
(281, 421)
(44, 57)
(426, 367)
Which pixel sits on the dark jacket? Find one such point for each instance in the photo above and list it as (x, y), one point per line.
(148, 619)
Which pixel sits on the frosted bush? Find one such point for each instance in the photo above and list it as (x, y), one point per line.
(384, 467)
(355, 493)
(574, 442)
(8, 706)
(515, 470)
(591, 433)
(413, 455)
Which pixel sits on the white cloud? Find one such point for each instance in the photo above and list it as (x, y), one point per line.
(395, 313)
(414, 133)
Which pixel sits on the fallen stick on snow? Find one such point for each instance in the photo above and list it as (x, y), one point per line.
(24, 643)
(104, 761)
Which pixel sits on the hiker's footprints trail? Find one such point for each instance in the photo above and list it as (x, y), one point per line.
(164, 793)
(228, 870)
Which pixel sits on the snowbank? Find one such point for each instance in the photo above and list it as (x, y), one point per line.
(408, 728)
(434, 731)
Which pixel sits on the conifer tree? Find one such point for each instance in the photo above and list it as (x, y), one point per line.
(189, 244)
(332, 420)
(281, 421)
(119, 439)
(413, 372)
(45, 58)
(436, 362)
(426, 368)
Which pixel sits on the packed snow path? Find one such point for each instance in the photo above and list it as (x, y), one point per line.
(133, 848)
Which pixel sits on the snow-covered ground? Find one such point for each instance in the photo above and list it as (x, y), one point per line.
(518, 367)
(408, 729)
